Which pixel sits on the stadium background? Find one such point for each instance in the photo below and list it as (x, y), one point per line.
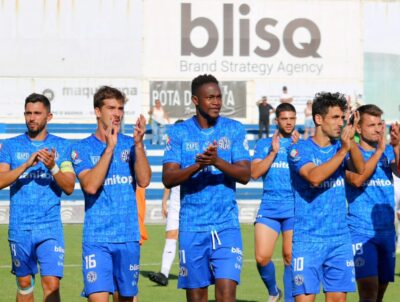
(152, 49)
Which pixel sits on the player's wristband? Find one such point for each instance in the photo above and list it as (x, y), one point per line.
(55, 170)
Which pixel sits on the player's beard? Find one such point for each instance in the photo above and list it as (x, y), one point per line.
(33, 132)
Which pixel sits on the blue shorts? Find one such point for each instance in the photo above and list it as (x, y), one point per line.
(374, 256)
(206, 256)
(328, 263)
(277, 224)
(110, 267)
(31, 247)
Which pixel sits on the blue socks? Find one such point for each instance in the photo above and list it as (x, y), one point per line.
(267, 274)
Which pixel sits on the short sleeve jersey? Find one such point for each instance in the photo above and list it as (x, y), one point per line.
(35, 195)
(277, 199)
(207, 197)
(111, 214)
(320, 212)
(371, 207)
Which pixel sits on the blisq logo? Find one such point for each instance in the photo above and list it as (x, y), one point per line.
(246, 33)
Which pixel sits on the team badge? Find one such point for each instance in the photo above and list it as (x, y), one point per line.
(359, 262)
(299, 280)
(125, 156)
(17, 263)
(183, 271)
(224, 143)
(91, 277)
(294, 153)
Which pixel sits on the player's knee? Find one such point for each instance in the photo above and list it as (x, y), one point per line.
(25, 285)
(262, 259)
(50, 284)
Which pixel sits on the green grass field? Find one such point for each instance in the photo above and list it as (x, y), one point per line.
(250, 290)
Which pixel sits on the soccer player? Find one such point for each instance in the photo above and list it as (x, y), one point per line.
(206, 155)
(322, 250)
(36, 167)
(109, 165)
(371, 210)
(277, 204)
(171, 234)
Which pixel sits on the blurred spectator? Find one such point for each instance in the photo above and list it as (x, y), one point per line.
(309, 126)
(159, 118)
(264, 110)
(285, 96)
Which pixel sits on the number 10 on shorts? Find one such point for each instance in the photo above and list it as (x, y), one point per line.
(298, 264)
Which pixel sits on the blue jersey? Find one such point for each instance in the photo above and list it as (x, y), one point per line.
(320, 212)
(111, 214)
(207, 197)
(35, 195)
(371, 207)
(277, 200)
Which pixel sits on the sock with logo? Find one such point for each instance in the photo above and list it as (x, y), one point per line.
(287, 283)
(168, 256)
(267, 273)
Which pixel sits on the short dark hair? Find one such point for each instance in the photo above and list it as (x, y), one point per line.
(38, 98)
(324, 100)
(370, 109)
(284, 107)
(107, 92)
(201, 80)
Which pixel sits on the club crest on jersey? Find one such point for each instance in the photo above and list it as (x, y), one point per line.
(22, 155)
(125, 156)
(224, 143)
(294, 153)
(168, 143)
(75, 157)
(91, 277)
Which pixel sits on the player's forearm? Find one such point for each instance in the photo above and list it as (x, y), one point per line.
(172, 177)
(93, 179)
(356, 179)
(357, 158)
(396, 164)
(318, 174)
(66, 181)
(239, 171)
(142, 167)
(7, 178)
(260, 167)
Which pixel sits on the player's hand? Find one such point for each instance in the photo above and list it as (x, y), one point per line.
(209, 156)
(140, 129)
(164, 210)
(275, 142)
(47, 157)
(111, 135)
(395, 134)
(382, 139)
(32, 160)
(295, 136)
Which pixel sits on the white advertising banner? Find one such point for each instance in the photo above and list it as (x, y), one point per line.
(71, 98)
(89, 38)
(253, 39)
